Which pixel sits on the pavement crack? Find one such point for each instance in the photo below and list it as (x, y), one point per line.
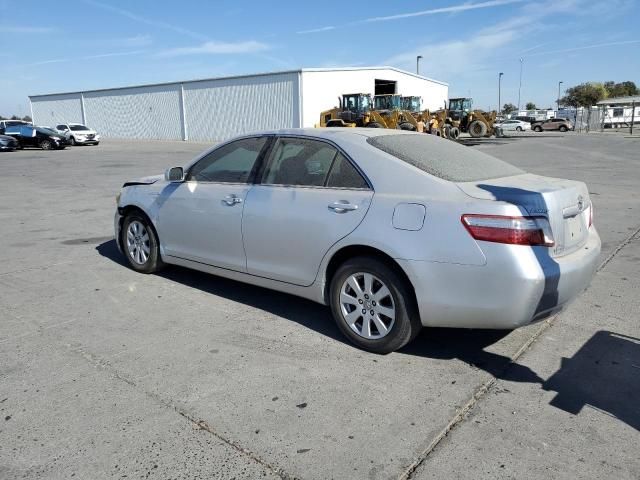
(482, 390)
(105, 365)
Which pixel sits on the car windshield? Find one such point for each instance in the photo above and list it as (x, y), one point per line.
(445, 160)
(46, 131)
(77, 128)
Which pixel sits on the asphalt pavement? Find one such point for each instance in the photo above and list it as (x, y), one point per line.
(106, 373)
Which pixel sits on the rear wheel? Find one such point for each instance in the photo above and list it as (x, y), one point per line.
(373, 306)
(477, 129)
(140, 244)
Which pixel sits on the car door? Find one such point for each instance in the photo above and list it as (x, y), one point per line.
(200, 218)
(310, 196)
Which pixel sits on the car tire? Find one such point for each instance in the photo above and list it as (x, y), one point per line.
(73, 141)
(537, 129)
(46, 145)
(563, 128)
(518, 129)
(140, 244)
(387, 300)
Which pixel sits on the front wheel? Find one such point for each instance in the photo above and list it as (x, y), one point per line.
(46, 145)
(140, 244)
(73, 141)
(373, 306)
(537, 129)
(563, 128)
(518, 129)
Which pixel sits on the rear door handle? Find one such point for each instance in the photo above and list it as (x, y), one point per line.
(342, 206)
(232, 200)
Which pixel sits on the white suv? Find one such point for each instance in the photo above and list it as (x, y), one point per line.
(78, 134)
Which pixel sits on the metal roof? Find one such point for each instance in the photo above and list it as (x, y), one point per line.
(230, 77)
(620, 100)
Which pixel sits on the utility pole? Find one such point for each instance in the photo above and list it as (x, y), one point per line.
(520, 85)
(418, 64)
(499, 85)
(559, 83)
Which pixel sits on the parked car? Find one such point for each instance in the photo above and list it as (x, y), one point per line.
(38, 137)
(78, 134)
(11, 123)
(394, 230)
(561, 124)
(8, 143)
(512, 125)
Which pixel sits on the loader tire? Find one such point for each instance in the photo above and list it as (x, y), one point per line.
(407, 126)
(373, 125)
(477, 129)
(454, 133)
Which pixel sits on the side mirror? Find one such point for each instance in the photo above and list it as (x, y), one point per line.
(174, 174)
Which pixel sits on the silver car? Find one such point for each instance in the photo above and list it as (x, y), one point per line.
(393, 230)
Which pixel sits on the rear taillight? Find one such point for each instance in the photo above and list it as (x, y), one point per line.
(511, 230)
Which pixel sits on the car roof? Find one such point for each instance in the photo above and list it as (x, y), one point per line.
(338, 132)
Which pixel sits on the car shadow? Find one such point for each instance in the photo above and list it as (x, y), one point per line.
(604, 373)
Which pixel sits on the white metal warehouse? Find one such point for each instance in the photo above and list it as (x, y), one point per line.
(219, 108)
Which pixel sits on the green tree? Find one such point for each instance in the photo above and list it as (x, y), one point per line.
(531, 106)
(508, 108)
(27, 118)
(622, 89)
(584, 95)
(14, 117)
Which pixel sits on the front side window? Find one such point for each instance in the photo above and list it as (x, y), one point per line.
(231, 163)
(61, 127)
(298, 161)
(78, 128)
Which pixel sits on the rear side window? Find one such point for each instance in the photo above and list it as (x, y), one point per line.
(298, 161)
(443, 159)
(344, 175)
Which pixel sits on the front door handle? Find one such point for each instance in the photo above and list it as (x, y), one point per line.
(232, 200)
(342, 206)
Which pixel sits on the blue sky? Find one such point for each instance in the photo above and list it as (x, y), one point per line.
(87, 44)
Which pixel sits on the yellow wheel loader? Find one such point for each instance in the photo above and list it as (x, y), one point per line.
(474, 122)
(354, 110)
(390, 108)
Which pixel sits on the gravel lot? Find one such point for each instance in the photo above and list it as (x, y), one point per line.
(106, 373)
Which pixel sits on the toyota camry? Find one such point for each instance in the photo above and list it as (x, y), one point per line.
(393, 230)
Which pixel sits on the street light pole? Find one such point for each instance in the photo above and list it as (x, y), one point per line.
(520, 84)
(418, 64)
(499, 85)
(559, 83)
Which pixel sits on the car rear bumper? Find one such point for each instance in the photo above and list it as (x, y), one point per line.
(517, 286)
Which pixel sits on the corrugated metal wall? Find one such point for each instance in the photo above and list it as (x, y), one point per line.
(58, 109)
(219, 109)
(142, 112)
(213, 109)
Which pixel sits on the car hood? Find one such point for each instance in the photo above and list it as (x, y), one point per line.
(83, 132)
(150, 180)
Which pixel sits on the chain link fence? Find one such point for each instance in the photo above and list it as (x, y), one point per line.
(619, 118)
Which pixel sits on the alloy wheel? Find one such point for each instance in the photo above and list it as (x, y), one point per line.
(138, 245)
(367, 306)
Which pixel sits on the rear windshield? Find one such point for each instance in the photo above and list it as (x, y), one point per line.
(443, 158)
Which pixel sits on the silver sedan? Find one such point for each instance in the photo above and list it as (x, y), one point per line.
(393, 230)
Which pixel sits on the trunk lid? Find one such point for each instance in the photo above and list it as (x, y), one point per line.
(564, 202)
